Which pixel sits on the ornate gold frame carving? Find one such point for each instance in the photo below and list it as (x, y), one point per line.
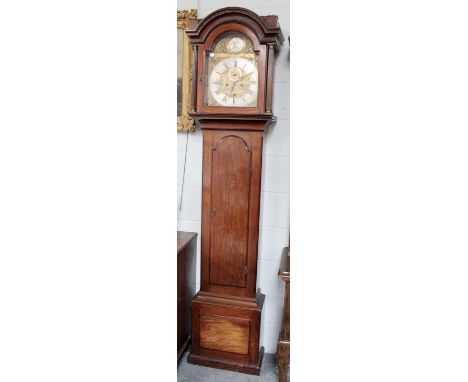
(184, 122)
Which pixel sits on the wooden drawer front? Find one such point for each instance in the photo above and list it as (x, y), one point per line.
(225, 334)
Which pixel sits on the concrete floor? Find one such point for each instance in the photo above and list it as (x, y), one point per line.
(194, 373)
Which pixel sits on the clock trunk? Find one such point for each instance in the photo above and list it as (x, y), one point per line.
(230, 209)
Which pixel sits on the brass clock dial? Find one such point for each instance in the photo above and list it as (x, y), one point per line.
(233, 82)
(232, 75)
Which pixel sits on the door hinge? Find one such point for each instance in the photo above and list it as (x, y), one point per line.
(213, 211)
(246, 269)
(251, 171)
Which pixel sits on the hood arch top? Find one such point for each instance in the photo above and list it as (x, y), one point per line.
(266, 28)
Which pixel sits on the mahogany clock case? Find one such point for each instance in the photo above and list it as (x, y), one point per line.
(226, 312)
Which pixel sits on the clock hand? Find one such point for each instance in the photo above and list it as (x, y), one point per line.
(232, 88)
(233, 85)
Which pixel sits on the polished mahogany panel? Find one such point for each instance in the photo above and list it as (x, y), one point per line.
(224, 334)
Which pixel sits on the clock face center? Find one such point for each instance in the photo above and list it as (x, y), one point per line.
(235, 74)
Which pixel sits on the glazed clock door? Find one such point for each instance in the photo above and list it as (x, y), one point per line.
(231, 71)
(229, 208)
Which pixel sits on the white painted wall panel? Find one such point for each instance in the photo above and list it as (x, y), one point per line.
(274, 210)
(275, 174)
(273, 309)
(267, 277)
(193, 169)
(270, 239)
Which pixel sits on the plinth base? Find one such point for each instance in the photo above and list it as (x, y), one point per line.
(226, 364)
(226, 332)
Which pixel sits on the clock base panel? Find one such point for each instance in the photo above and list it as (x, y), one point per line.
(226, 332)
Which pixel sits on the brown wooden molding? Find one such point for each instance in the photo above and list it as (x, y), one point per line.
(266, 28)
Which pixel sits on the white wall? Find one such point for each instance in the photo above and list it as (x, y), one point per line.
(274, 209)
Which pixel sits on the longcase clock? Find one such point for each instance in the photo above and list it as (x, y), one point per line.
(232, 78)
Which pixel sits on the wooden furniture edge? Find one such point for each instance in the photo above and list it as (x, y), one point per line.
(230, 301)
(183, 239)
(284, 270)
(184, 347)
(246, 368)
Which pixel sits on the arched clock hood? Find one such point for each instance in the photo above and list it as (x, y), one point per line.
(266, 36)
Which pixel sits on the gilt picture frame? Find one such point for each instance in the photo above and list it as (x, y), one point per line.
(184, 75)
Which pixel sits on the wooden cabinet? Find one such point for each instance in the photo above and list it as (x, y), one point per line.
(184, 243)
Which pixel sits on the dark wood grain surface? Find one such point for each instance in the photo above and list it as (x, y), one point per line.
(232, 165)
(184, 239)
(183, 335)
(229, 210)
